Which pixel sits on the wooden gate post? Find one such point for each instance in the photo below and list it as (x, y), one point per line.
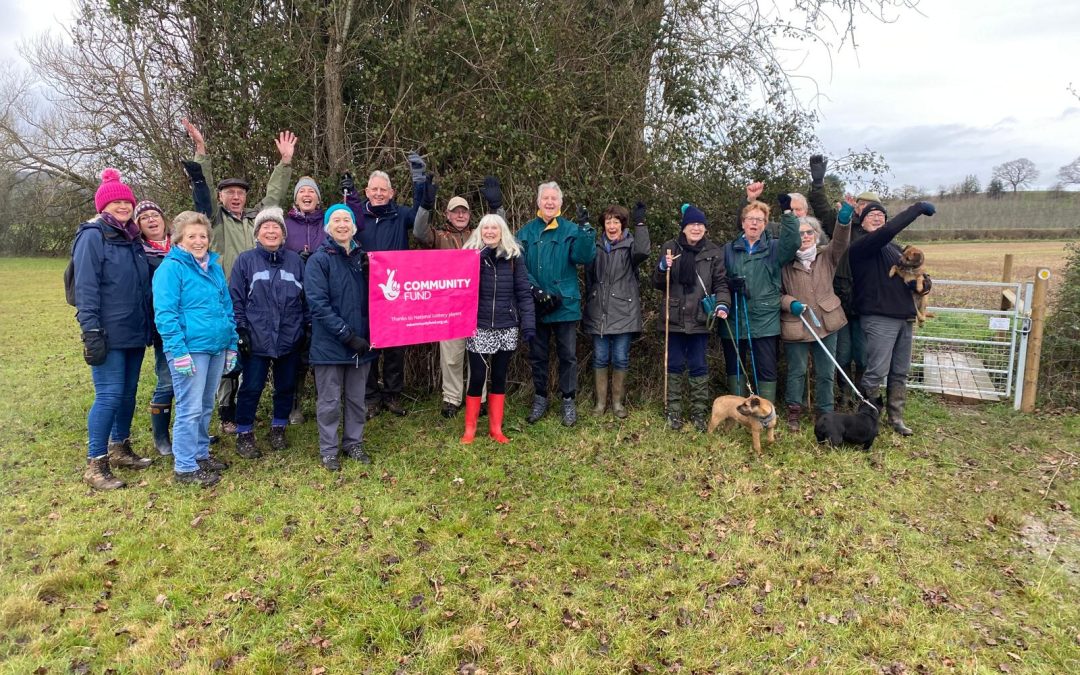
(1035, 338)
(1007, 301)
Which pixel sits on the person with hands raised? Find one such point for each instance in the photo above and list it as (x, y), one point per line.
(808, 284)
(194, 315)
(553, 248)
(505, 311)
(753, 261)
(613, 301)
(885, 306)
(336, 288)
(697, 292)
(449, 235)
(384, 225)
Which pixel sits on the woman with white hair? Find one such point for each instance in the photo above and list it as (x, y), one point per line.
(194, 316)
(505, 310)
(335, 282)
(808, 285)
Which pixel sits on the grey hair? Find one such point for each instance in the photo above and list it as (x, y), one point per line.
(186, 219)
(816, 224)
(508, 245)
(552, 185)
(381, 174)
(799, 197)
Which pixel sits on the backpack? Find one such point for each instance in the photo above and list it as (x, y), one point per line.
(69, 271)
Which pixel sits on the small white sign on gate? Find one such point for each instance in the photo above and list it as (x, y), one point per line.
(999, 323)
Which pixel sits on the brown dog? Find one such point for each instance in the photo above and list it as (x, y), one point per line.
(753, 412)
(910, 269)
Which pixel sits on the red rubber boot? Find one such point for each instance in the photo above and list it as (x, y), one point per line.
(472, 413)
(496, 402)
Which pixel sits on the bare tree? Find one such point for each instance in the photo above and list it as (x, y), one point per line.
(1018, 172)
(1070, 173)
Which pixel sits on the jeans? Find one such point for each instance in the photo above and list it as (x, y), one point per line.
(565, 333)
(193, 408)
(687, 351)
(115, 383)
(256, 370)
(613, 350)
(851, 344)
(163, 391)
(888, 351)
(824, 372)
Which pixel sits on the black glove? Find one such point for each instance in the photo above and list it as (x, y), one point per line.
(926, 208)
(737, 285)
(427, 201)
(582, 215)
(492, 192)
(306, 344)
(95, 347)
(545, 302)
(528, 335)
(358, 345)
(639, 213)
(243, 342)
(785, 201)
(817, 170)
(347, 184)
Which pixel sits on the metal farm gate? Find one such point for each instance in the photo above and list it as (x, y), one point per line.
(974, 348)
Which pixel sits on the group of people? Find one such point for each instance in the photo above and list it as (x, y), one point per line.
(230, 296)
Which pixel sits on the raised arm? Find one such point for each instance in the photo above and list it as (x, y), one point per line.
(842, 233)
(202, 158)
(817, 198)
(876, 240)
(277, 188)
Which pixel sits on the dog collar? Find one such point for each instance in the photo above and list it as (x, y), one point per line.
(768, 419)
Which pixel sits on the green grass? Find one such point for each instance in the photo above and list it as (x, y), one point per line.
(610, 547)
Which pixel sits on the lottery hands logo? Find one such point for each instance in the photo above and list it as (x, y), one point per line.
(391, 289)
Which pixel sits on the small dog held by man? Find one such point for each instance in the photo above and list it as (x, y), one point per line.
(860, 428)
(755, 413)
(911, 268)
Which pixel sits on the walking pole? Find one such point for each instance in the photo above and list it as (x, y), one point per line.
(667, 325)
(825, 349)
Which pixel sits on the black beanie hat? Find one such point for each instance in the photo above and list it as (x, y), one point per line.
(873, 206)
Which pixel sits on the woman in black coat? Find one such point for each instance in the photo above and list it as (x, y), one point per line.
(504, 311)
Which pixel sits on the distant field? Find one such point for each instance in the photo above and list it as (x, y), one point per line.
(983, 261)
(1022, 211)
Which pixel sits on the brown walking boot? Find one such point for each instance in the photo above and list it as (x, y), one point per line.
(121, 455)
(99, 476)
(794, 412)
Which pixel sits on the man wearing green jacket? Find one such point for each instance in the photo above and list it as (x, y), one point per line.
(234, 232)
(554, 247)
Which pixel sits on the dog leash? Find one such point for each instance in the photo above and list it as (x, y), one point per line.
(738, 354)
(829, 354)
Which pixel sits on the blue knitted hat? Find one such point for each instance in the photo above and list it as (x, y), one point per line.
(692, 214)
(330, 212)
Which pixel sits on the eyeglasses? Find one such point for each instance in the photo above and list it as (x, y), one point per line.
(755, 219)
(807, 233)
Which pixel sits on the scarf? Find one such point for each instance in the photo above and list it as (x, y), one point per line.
(608, 243)
(686, 265)
(156, 248)
(130, 228)
(807, 258)
(204, 262)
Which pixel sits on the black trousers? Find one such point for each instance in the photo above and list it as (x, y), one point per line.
(391, 362)
(565, 334)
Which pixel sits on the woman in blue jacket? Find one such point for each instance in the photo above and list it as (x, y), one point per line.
(112, 299)
(504, 310)
(335, 283)
(194, 316)
(267, 289)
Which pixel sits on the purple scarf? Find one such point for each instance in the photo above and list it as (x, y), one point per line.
(130, 228)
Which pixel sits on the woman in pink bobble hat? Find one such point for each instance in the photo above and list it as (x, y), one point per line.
(111, 285)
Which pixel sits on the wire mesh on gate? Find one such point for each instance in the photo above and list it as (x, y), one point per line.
(967, 351)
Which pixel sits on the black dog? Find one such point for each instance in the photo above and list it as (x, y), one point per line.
(858, 429)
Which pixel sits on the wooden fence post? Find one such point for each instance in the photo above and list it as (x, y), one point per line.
(1035, 339)
(1007, 301)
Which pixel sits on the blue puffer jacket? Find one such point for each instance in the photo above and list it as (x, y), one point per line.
(112, 285)
(335, 282)
(386, 227)
(192, 308)
(267, 290)
(505, 297)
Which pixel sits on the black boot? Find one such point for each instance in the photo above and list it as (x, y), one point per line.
(539, 407)
(675, 402)
(160, 414)
(245, 445)
(357, 453)
(278, 442)
(201, 477)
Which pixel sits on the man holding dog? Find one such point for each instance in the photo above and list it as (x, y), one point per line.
(885, 305)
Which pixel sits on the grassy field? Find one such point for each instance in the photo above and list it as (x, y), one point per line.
(610, 547)
(1022, 210)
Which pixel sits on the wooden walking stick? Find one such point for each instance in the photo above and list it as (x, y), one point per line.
(667, 324)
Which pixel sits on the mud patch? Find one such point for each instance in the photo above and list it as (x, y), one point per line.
(1056, 537)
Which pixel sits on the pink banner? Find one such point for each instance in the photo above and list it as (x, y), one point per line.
(422, 296)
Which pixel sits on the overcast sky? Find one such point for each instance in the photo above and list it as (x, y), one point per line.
(953, 88)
